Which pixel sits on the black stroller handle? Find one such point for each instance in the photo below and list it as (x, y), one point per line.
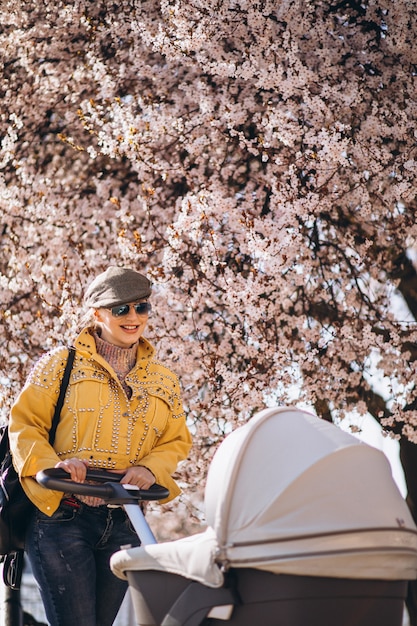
(111, 490)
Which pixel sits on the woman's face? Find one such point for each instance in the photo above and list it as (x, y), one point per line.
(122, 331)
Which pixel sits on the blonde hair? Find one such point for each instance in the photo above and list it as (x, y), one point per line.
(87, 319)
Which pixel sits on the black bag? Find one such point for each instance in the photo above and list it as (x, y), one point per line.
(15, 506)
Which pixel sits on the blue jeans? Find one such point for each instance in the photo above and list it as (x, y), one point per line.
(69, 554)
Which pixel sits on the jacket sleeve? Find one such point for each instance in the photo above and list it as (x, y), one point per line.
(29, 424)
(31, 415)
(171, 447)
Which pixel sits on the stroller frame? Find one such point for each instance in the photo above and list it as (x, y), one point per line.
(357, 576)
(249, 596)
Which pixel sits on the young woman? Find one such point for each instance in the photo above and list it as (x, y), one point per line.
(122, 412)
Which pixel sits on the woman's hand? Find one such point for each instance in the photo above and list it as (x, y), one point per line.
(75, 467)
(137, 475)
(78, 471)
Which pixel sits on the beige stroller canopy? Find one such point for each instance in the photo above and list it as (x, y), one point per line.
(290, 493)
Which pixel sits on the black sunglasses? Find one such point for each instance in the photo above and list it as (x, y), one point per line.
(142, 308)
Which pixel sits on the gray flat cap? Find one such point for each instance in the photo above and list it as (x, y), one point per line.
(117, 285)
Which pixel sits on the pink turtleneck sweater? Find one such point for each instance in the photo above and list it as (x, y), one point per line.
(122, 360)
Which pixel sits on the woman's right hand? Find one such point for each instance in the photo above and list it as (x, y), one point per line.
(75, 467)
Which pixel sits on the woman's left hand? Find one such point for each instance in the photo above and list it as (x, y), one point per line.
(137, 475)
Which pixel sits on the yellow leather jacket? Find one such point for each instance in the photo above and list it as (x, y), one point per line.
(98, 421)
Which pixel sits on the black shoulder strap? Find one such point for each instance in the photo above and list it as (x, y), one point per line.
(62, 392)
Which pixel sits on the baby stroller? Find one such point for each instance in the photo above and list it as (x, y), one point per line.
(305, 525)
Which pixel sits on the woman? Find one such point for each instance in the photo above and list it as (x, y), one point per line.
(122, 412)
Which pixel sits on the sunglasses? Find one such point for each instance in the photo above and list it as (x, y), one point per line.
(142, 308)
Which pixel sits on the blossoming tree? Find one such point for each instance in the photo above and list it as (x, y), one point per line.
(257, 159)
